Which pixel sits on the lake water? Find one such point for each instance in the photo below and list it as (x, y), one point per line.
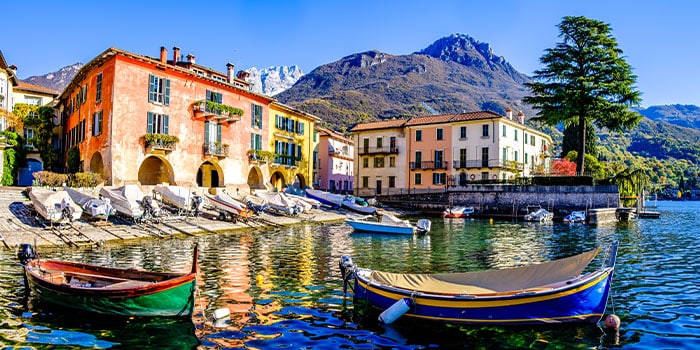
(284, 289)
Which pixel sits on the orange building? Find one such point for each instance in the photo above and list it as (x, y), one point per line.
(160, 120)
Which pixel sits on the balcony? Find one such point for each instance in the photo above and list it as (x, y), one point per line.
(428, 165)
(215, 149)
(379, 150)
(284, 160)
(487, 163)
(160, 143)
(217, 111)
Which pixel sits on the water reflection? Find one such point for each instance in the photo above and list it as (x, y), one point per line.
(283, 289)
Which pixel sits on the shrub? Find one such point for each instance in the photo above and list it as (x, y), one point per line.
(50, 179)
(85, 180)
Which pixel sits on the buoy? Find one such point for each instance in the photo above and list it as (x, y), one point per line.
(395, 311)
(491, 221)
(221, 313)
(612, 321)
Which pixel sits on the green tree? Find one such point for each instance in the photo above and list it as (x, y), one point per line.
(585, 81)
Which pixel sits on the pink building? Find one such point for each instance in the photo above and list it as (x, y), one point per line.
(333, 162)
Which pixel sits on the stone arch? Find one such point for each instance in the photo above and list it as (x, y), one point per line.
(255, 179)
(155, 170)
(278, 181)
(97, 164)
(210, 174)
(300, 181)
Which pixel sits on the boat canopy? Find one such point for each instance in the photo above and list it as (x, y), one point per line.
(489, 281)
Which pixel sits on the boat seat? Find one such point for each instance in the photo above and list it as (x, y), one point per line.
(54, 276)
(128, 284)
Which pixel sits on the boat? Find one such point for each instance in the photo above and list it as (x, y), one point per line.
(458, 212)
(254, 203)
(130, 201)
(578, 216)
(352, 203)
(227, 205)
(556, 291)
(326, 198)
(312, 202)
(108, 290)
(539, 215)
(54, 205)
(182, 198)
(92, 203)
(387, 223)
(278, 202)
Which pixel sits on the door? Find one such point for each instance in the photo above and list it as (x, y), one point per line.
(378, 190)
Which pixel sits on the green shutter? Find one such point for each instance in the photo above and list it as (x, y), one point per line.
(166, 98)
(219, 98)
(206, 132)
(149, 123)
(208, 95)
(151, 88)
(165, 124)
(218, 133)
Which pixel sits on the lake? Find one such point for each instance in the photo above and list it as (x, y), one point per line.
(284, 289)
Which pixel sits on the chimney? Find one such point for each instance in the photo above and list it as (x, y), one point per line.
(190, 58)
(163, 54)
(521, 117)
(509, 113)
(176, 54)
(13, 69)
(229, 72)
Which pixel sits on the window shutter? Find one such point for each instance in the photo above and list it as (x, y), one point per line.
(252, 114)
(208, 95)
(166, 98)
(151, 88)
(150, 123)
(219, 98)
(218, 133)
(206, 132)
(166, 119)
(298, 152)
(301, 128)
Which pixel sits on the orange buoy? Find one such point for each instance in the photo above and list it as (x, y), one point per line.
(612, 321)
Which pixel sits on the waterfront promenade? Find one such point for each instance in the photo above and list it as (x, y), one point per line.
(19, 223)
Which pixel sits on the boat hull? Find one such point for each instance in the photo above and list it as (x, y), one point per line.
(377, 227)
(584, 301)
(330, 199)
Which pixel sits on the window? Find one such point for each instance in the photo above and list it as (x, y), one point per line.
(214, 96)
(379, 162)
(485, 130)
(419, 135)
(158, 90)
(439, 158)
(365, 162)
(419, 158)
(438, 134)
(484, 157)
(212, 132)
(29, 135)
(256, 142)
(256, 118)
(392, 181)
(417, 178)
(515, 156)
(525, 158)
(504, 131)
(98, 88)
(463, 133)
(462, 157)
(516, 134)
(485, 175)
(157, 123)
(532, 140)
(365, 181)
(97, 123)
(392, 162)
(299, 128)
(365, 145)
(504, 154)
(439, 178)
(379, 143)
(32, 100)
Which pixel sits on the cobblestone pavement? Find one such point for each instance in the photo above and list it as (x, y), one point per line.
(19, 223)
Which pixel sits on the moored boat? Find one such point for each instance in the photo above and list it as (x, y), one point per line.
(182, 198)
(387, 223)
(92, 203)
(108, 290)
(360, 206)
(54, 205)
(330, 199)
(556, 291)
(228, 205)
(130, 201)
(578, 216)
(539, 215)
(280, 203)
(458, 212)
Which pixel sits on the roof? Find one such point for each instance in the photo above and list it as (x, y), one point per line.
(476, 116)
(23, 85)
(430, 119)
(382, 124)
(323, 131)
(293, 110)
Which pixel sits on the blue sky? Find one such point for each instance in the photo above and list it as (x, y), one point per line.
(658, 38)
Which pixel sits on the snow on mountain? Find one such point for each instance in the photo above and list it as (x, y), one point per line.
(56, 80)
(273, 80)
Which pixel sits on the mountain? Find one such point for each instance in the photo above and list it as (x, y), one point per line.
(56, 80)
(273, 80)
(682, 115)
(454, 74)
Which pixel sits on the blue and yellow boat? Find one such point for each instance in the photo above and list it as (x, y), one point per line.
(556, 291)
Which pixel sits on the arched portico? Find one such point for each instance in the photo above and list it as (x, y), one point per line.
(255, 178)
(155, 170)
(210, 174)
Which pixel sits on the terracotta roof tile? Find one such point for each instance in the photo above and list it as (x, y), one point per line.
(23, 85)
(430, 119)
(476, 116)
(383, 124)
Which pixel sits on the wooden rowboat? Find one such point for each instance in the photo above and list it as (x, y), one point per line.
(556, 291)
(107, 290)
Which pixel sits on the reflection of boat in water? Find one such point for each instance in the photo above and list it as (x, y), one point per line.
(458, 212)
(55, 206)
(539, 215)
(92, 203)
(108, 290)
(182, 198)
(130, 201)
(387, 223)
(551, 292)
(578, 216)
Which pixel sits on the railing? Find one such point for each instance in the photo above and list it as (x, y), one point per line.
(428, 165)
(160, 145)
(218, 111)
(215, 149)
(487, 163)
(379, 150)
(286, 161)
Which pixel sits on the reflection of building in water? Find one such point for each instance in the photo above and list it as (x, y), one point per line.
(235, 280)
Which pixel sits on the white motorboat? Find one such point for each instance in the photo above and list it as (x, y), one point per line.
(387, 223)
(228, 205)
(54, 205)
(458, 212)
(357, 204)
(326, 198)
(539, 215)
(180, 197)
(578, 216)
(312, 202)
(92, 202)
(130, 201)
(279, 202)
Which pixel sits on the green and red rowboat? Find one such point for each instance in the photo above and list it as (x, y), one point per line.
(110, 291)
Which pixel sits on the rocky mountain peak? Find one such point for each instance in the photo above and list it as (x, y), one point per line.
(56, 80)
(273, 80)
